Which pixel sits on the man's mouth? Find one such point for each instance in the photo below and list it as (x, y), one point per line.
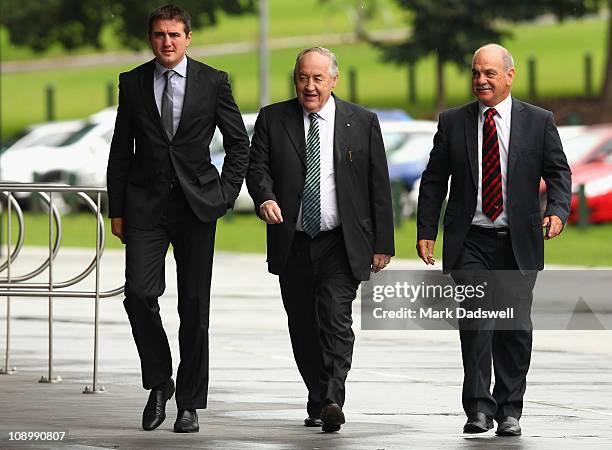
(483, 88)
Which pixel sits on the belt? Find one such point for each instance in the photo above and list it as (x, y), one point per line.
(500, 232)
(320, 234)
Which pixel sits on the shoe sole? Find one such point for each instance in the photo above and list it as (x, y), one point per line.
(330, 427)
(507, 433)
(473, 429)
(195, 430)
(312, 424)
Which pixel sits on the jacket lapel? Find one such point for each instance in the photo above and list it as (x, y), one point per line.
(148, 96)
(471, 136)
(293, 122)
(192, 82)
(342, 127)
(517, 127)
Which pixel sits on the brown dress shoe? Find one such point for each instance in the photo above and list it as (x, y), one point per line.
(332, 417)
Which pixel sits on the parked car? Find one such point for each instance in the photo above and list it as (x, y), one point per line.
(49, 134)
(590, 144)
(244, 202)
(408, 159)
(597, 180)
(80, 158)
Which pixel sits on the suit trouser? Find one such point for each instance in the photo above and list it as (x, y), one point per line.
(487, 258)
(193, 244)
(318, 289)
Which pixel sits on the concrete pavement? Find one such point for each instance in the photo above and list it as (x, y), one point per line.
(403, 391)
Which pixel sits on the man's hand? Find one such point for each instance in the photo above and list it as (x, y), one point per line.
(425, 250)
(117, 228)
(270, 212)
(380, 261)
(553, 226)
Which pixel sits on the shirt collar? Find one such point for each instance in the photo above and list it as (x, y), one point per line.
(503, 108)
(180, 68)
(327, 112)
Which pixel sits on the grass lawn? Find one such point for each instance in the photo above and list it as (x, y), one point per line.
(286, 18)
(559, 72)
(246, 233)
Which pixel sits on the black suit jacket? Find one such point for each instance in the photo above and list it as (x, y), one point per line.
(138, 173)
(534, 152)
(278, 167)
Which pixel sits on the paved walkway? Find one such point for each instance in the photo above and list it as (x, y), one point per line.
(403, 390)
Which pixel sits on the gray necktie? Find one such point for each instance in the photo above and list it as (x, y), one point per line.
(311, 202)
(167, 108)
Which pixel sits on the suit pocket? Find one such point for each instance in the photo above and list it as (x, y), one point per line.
(210, 186)
(211, 174)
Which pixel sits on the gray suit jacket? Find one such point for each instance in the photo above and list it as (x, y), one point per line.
(534, 152)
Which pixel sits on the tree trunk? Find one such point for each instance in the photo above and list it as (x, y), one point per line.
(607, 87)
(440, 94)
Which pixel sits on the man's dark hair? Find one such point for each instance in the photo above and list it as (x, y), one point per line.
(170, 12)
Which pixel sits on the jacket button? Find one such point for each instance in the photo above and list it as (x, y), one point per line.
(171, 147)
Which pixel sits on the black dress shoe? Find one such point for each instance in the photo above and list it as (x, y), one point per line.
(508, 426)
(478, 422)
(313, 421)
(186, 421)
(155, 410)
(332, 417)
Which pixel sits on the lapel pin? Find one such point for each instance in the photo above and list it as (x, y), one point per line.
(348, 124)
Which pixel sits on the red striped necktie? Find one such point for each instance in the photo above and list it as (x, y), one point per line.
(492, 198)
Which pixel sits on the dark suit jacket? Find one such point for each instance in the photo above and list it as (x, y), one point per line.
(278, 167)
(138, 174)
(534, 152)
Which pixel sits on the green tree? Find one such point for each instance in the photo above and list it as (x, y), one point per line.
(38, 24)
(607, 87)
(452, 29)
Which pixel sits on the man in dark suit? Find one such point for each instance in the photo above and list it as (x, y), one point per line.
(163, 189)
(318, 177)
(495, 150)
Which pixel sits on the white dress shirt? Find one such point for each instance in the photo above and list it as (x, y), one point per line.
(178, 80)
(329, 204)
(502, 122)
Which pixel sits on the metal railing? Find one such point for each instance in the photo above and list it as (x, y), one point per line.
(22, 286)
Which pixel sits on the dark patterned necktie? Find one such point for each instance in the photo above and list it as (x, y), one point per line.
(167, 107)
(311, 201)
(492, 198)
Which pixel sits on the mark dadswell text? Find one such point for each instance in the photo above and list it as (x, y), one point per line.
(447, 313)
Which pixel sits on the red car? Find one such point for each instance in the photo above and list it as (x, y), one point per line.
(592, 144)
(597, 181)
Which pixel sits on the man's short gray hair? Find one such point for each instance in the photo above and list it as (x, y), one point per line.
(333, 63)
(506, 55)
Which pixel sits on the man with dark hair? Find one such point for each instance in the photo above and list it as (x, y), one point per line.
(162, 190)
(319, 179)
(495, 151)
